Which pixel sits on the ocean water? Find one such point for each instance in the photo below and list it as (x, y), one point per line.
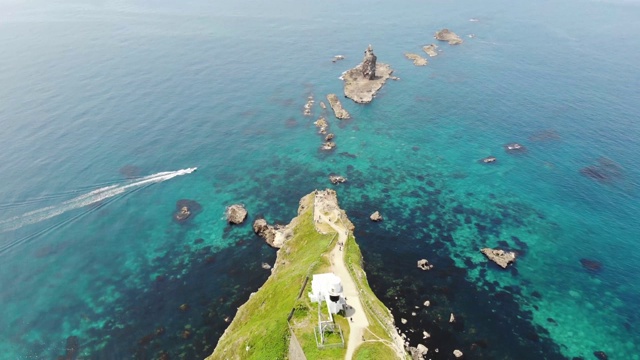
(104, 105)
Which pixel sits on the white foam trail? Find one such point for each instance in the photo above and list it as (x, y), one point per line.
(89, 198)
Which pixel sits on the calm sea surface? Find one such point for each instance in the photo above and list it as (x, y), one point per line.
(104, 106)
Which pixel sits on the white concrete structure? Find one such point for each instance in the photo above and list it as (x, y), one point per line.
(328, 288)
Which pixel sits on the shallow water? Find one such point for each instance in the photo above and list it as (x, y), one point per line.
(101, 95)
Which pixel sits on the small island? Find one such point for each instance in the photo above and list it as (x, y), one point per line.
(417, 59)
(363, 82)
(431, 50)
(449, 36)
(338, 110)
(282, 319)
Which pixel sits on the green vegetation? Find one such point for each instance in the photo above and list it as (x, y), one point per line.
(261, 323)
(374, 350)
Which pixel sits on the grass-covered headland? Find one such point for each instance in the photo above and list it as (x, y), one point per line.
(260, 329)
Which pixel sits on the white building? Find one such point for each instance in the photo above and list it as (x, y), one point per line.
(328, 288)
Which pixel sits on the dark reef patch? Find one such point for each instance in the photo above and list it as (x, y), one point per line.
(130, 171)
(593, 266)
(604, 171)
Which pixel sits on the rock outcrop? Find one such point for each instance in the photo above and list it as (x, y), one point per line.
(322, 125)
(336, 179)
(236, 214)
(186, 209)
(514, 147)
(376, 216)
(182, 214)
(369, 64)
(418, 352)
(275, 236)
(489, 159)
(328, 145)
(449, 36)
(431, 50)
(500, 257)
(423, 264)
(417, 59)
(326, 203)
(308, 106)
(338, 110)
(363, 82)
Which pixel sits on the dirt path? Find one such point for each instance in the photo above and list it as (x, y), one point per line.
(356, 314)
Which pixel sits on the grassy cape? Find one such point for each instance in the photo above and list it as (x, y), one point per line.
(260, 329)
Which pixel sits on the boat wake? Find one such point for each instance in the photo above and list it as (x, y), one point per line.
(89, 198)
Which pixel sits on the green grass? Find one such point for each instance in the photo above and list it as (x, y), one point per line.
(261, 323)
(374, 350)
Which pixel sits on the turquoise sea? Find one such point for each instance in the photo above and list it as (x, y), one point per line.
(103, 103)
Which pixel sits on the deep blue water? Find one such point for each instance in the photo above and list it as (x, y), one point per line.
(97, 99)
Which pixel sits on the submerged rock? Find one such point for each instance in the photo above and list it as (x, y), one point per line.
(591, 265)
(449, 36)
(130, 171)
(601, 355)
(604, 171)
(500, 257)
(376, 216)
(236, 214)
(72, 348)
